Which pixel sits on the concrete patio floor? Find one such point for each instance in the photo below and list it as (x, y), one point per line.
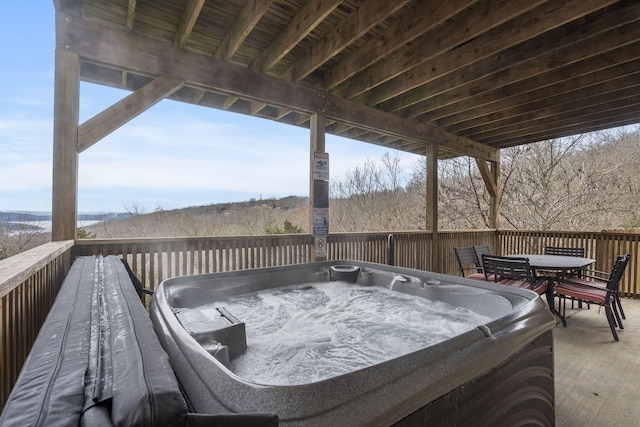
(596, 378)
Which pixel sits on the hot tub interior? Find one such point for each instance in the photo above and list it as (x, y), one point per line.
(311, 341)
(299, 334)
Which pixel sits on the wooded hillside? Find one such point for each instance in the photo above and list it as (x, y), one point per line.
(588, 182)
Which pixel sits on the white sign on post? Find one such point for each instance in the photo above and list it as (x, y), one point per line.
(320, 222)
(321, 247)
(320, 166)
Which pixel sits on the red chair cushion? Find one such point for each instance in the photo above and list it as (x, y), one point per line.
(586, 293)
(584, 282)
(524, 285)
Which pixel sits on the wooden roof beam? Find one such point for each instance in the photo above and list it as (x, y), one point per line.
(562, 113)
(565, 53)
(466, 25)
(102, 44)
(559, 47)
(613, 111)
(131, 13)
(525, 23)
(246, 20)
(189, 17)
(311, 14)
(368, 14)
(497, 104)
(249, 16)
(426, 16)
(630, 118)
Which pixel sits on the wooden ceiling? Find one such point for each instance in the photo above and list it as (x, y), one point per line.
(470, 76)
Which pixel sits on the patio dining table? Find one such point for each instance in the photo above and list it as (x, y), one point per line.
(559, 265)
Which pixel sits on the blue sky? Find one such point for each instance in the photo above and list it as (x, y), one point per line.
(173, 155)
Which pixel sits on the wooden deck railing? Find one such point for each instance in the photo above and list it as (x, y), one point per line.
(29, 282)
(156, 259)
(603, 246)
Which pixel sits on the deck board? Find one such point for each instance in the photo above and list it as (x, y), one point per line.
(596, 377)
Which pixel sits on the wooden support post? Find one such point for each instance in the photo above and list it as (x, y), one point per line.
(318, 189)
(432, 204)
(494, 201)
(490, 175)
(66, 107)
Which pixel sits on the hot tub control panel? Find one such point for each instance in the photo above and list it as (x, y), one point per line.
(216, 330)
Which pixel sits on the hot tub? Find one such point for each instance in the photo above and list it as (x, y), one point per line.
(497, 368)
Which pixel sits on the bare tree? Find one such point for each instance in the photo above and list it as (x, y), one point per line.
(371, 197)
(572, 183)
(21, 235)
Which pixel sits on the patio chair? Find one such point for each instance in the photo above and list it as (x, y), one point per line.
(512, 271)
(468, 264)
(599, 279)
(558, 250)
(594, 291)
(481, 250)
(565, 251)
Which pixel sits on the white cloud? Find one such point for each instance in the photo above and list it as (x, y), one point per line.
(173, 155)
(191, 153)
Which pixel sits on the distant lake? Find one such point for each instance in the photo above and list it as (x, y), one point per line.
(42, 226)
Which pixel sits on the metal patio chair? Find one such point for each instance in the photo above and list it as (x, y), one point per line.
(595, 290)
(566, 251)
(481, 250)
(512, 271)
(468, 264)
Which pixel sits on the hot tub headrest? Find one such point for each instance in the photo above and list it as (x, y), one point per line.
(344, 272)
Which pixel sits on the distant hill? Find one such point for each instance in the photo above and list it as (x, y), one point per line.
(288, 202)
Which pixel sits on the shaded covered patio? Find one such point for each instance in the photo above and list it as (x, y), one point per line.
(595, 380)
(430, 78)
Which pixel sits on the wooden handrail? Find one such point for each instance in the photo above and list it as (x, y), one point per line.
(29, 283)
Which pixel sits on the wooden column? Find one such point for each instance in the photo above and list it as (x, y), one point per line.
(66, 107)
(494, 201)
(432, 204)
(318, 191)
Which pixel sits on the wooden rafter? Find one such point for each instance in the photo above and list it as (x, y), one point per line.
(189, 18)
(99, 45)
(358, 23)
(500, 72)
(560, 47)
(312, 13)
(426, 17)
(429, 48)
(131, 13)
(249, 16)
(582, 88)
(303, 23)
